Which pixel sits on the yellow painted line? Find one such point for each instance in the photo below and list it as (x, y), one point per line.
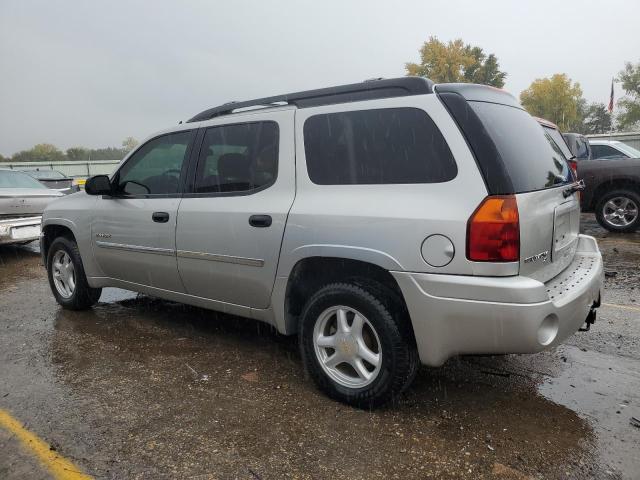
(624, 307)
(60, 468)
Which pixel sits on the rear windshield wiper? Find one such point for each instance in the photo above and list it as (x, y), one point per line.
(576, 187)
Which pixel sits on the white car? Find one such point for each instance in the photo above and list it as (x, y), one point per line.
(610, 149)
(22, 200)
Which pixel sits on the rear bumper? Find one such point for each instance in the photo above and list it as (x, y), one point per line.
(18, 230)
(454, 315)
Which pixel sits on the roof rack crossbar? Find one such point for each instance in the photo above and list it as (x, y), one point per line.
(370, 89)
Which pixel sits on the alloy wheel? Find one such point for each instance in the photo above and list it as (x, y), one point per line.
(64, 274)
(620, 211)
(347, 346)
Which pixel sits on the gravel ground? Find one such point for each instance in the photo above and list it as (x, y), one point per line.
(142, 388)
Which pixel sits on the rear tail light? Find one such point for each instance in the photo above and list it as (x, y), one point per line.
(493, 231)
(573, 165)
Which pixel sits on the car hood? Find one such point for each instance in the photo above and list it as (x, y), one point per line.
(25, 201)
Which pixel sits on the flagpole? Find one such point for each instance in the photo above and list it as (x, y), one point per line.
(611, 104)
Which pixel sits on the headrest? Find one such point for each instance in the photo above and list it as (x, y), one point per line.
(234, 165)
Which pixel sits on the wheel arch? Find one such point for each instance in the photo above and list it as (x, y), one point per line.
(51, 231)
(311, 273)
(613, 184)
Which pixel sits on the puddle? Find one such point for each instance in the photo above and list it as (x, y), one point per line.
(604, 390)
(114, 295)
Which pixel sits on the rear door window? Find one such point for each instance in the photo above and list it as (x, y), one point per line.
(605, 151)
(238, 158)
(532, 159)
(379, 146)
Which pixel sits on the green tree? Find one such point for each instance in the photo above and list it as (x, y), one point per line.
(456, 62)
(77, 153)
(556, 99)
(43, 152)
(108, 153)
(577, 125)
(129, 144)
(629, 117)
(597, 119)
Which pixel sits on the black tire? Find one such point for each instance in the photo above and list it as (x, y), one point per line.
(622, 193)
(83, 296)
(399, 354)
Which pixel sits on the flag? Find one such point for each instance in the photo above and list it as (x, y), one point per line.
(610, 108)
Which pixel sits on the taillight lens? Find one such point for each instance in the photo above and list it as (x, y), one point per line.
(493, 231)
(573, 165)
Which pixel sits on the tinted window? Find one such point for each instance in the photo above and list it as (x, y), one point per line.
(605, 151)
(155, 167)
(532, 159)
(582, 149)
(238, 158)
(9, 179)
(396, 145)
(559, 141)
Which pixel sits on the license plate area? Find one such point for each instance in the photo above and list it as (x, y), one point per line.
(30, 231)
(566, 225)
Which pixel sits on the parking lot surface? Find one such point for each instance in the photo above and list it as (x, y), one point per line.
(142, 388)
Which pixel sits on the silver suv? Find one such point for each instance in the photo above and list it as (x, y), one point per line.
(387, 223)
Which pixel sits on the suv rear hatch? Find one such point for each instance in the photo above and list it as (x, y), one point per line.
(516, 157)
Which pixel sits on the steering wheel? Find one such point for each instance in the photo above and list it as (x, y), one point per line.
(173, 170)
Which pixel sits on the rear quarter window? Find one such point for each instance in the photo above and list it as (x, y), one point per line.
(531, 158)
(379, 146)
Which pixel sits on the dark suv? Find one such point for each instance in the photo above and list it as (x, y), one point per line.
(579, 145)
(612, 186)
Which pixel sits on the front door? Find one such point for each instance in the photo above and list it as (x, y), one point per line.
(231, 222)
(133, 231)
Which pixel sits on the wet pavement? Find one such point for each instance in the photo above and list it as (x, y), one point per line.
(142, 388)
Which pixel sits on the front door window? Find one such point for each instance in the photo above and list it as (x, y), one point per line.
(156, 167)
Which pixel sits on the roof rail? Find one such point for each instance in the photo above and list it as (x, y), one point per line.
(367, 90)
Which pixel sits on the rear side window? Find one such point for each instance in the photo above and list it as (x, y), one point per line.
(582, 149)
(605, 151)
(238, 158)
(531, 158)
(382, 146)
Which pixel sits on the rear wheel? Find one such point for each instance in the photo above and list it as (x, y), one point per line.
(353, 347)
(619, 211)
(67, 278)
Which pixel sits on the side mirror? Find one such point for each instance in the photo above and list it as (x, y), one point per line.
(98, 185)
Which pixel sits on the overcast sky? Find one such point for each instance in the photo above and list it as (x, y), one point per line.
(92, 73)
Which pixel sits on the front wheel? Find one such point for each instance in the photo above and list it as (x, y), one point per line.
(619, 211)
(67, 278)
(354, 348)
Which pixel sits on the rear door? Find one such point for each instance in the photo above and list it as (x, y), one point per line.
(540, 177)
(232, 220)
